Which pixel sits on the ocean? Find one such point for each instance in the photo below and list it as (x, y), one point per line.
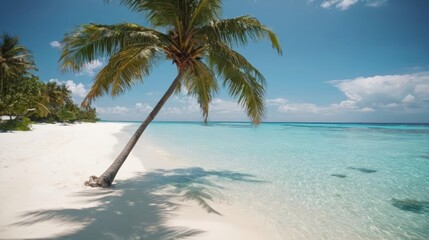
(311, 180)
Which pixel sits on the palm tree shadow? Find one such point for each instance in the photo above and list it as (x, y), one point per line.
(138, 208)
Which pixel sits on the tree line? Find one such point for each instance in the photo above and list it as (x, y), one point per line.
(25, 98)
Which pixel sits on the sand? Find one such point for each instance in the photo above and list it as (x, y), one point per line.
(42, 193)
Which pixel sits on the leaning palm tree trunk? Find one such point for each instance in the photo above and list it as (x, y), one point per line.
(106, 179)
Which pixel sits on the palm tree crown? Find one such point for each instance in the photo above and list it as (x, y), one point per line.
(187, 32)
(15, 60)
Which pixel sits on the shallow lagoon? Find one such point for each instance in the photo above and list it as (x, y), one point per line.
(315, 181)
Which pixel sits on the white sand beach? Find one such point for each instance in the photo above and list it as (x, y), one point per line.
(42, 193)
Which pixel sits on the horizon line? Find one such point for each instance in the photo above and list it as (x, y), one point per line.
(301, 122)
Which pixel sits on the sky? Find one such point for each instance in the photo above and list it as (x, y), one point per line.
(343, 60)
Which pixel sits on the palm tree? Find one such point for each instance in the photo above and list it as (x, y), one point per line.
(15, 60)
(65, 94)
(191, 35)
(57, 95)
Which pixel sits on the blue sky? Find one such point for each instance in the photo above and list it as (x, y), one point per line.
(343, 61)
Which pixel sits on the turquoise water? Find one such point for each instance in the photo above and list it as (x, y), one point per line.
(315, 181)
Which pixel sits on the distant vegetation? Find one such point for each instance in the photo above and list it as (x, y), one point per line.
(25, 98)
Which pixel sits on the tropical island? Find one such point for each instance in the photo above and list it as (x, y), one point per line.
(24, 98)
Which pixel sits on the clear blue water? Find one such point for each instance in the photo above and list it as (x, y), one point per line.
(318, 181)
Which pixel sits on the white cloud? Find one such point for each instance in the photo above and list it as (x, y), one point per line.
(186, 105)
(91, 68)
(192, 106)
(346, 4)
(367, 109)
(276, 101)
(180, 105)
(143, 108)
(385, 91)
(117, 110)
(55, 44)
(347, 104)
(341, 4)
(78, 90)
(172, 110)
(390, 105)
(375, 3)
(183, 104)
(182, 98)
(300, 108)
(221, 106)
(408, 99)
(422, 88)
(136, 112)
(408, 93)
(187, 108)
(320, 110)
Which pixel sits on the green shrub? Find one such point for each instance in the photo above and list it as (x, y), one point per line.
(23, 124)
(65, 115)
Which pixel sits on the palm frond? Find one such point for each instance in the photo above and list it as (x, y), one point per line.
(90, 41)
(15, 60)
(201, 83)
(207, 10)
(42, 110)
(183, 14)
(243, 80)
(124, 69)
(238, 31)
(162, 13)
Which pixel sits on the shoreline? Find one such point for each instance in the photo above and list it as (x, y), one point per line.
(42, 193)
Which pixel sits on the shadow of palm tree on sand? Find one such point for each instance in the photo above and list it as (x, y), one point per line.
(138, 208)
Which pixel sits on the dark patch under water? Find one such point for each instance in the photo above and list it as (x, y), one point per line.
(338, 175)
(411, 205)
(425, 156)
(364, 170)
